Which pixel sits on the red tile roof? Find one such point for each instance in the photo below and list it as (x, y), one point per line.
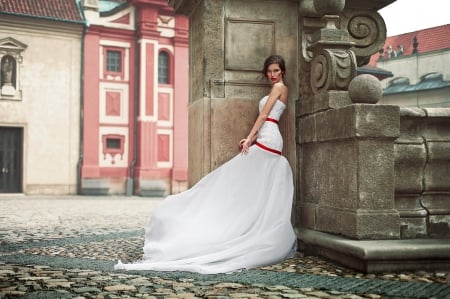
(430, 39)
(64, 10)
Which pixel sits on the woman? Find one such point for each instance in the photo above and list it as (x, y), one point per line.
(238, 216)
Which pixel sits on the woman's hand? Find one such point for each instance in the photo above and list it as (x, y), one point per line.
(244, 145)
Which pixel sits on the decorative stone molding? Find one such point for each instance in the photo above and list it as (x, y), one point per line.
(328, 60)
(349, 34)
(367, 32)
(332, 70)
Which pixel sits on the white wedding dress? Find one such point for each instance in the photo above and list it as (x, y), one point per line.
(236, 217)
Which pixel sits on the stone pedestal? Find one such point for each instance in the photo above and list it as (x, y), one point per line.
(347, 170)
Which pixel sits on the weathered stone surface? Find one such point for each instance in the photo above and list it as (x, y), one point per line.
(229, 41)
(410, 159)
(413, 227)
(226, 128)
(326, 178)
(322, 101)
(361, 224)
(438, 225)
(422, 168)
(365, 89)
(332, 176)
(307, 215)
(375, 174)
(437, 170)
(347, 171)
(354, 121)
(412, 111)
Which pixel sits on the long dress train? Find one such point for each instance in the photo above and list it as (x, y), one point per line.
(236, 217)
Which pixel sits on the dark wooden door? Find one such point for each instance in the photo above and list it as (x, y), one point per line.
(11, 140)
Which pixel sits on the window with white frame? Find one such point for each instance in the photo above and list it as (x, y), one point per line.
(113, 61)
(163, 68)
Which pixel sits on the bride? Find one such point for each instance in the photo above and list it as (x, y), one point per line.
(238, 216)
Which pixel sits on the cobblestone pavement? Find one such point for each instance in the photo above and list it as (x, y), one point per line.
(65, 247)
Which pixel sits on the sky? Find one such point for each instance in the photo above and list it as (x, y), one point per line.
(404, 16)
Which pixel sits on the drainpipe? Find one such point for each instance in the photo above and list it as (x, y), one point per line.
(130, 181)
(81, 136)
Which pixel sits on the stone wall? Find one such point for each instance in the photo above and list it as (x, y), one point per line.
(422, 173)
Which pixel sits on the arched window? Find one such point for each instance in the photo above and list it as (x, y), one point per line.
(163, 68)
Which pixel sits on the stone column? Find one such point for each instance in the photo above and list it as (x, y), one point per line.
(346, 148)
(229, 41)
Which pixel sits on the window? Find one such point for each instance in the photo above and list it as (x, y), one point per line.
(163, 68)
(113, 143)
(113, 61)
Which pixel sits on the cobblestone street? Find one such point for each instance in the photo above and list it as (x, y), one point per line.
(65, 247)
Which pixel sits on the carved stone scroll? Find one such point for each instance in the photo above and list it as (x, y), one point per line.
(332, 70)
(367, 31)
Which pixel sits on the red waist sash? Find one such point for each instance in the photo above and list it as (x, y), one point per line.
(268, 148)
(272, 120)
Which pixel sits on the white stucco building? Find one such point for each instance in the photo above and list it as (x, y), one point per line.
(40, 56)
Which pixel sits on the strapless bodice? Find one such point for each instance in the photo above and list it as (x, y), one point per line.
(269, 134)
(277, 109)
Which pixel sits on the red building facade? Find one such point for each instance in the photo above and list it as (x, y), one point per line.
(135, 98)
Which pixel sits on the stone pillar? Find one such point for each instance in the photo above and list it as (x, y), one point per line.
(346, 149)
(229, 41)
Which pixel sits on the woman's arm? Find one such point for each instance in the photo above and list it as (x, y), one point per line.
(274, 94)
(251, 141)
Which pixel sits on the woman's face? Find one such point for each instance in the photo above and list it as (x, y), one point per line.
(274, 73)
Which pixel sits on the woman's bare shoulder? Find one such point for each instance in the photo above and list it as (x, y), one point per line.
(280, 90)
